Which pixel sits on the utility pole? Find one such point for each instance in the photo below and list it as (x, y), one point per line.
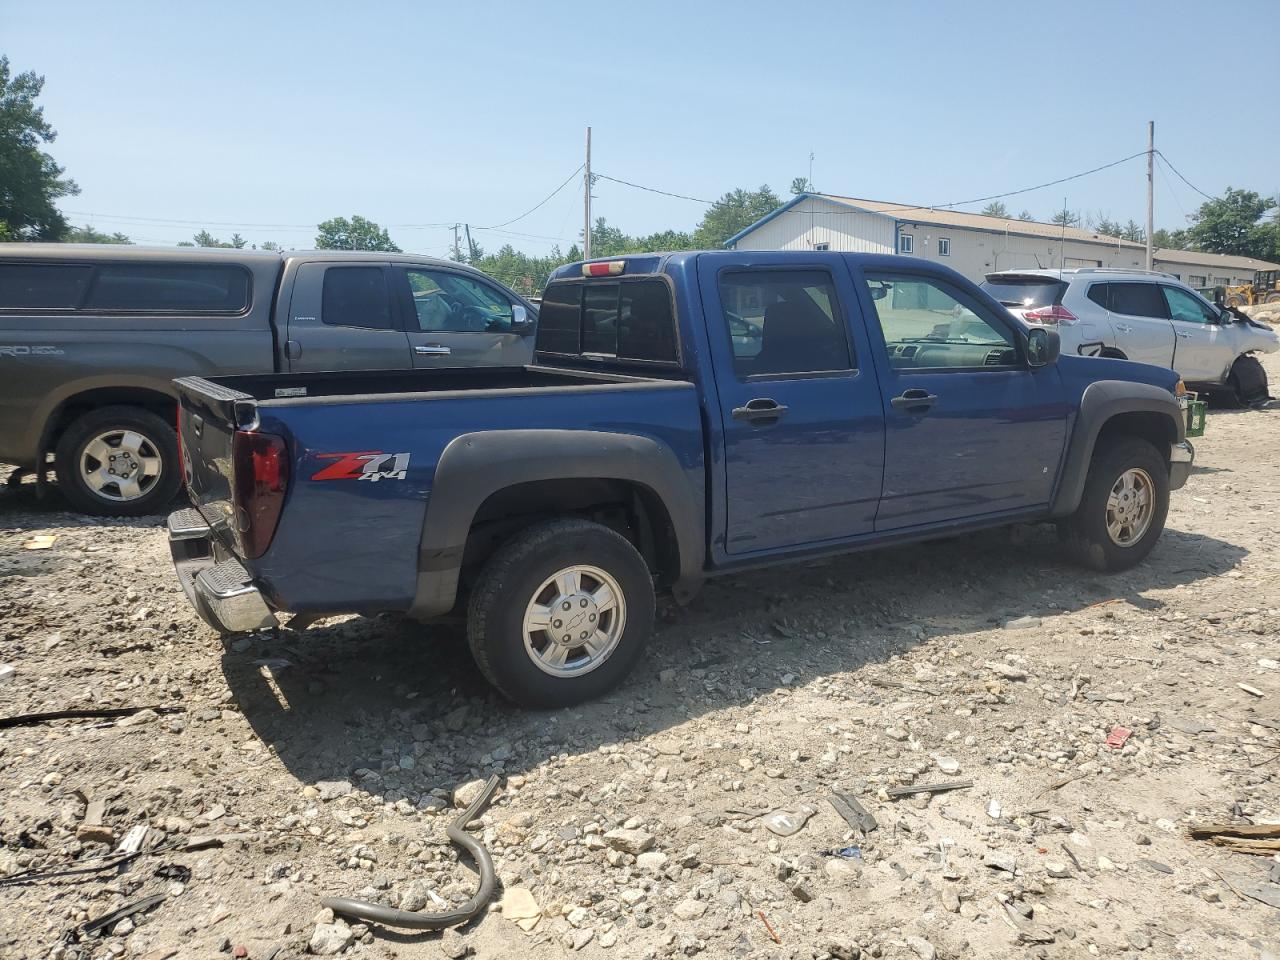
(469, 246)
(586, 202)
(457, 255)
(1151, 188)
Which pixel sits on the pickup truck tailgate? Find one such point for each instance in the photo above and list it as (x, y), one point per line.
(208, 414)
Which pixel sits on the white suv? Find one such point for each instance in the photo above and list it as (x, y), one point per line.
(1144, 316)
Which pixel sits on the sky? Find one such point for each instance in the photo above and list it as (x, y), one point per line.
(265, 118)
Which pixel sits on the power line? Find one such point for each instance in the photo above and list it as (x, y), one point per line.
(539, 203)
(639, 186)
(1182, 178)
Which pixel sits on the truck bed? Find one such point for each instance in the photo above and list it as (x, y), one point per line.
(363, 539)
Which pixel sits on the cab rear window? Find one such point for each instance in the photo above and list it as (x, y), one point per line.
(620, 319)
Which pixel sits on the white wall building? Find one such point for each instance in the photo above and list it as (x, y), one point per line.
(971, 243)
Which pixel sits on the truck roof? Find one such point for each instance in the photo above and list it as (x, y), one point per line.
(638, 263)
(132, 251)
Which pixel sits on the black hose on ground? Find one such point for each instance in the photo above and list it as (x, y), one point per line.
(376, 912)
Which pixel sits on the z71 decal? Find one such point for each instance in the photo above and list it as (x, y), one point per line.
(363, 465)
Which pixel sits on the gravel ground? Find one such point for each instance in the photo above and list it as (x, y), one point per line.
(328, 762)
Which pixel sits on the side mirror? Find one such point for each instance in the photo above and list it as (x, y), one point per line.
(1043, 346)
(521, 322)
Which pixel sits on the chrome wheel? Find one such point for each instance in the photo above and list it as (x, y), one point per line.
(1130, 507)
(574, 621)
(120, 465)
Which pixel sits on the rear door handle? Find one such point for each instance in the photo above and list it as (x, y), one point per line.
(761, 412)
(914, 400)
(433, 350)
(1124, 328)
(1184, 336)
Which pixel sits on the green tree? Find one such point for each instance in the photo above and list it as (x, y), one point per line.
(1070, 218)
(1131, 231)
(270, 245)
(995, 209)
(1025, 215)
(1169, 239)
(357, 233)
(799, 185)
(1109, 228)
(206, 239)
(1233, 224)
(87, 234)
(30, 179)
(732, 213)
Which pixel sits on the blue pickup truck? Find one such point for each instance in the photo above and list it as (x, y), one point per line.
(687, 415)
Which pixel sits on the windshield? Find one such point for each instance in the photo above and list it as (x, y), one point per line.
(1025, 291)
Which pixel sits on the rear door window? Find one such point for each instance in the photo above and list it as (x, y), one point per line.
(1137, 300)
(169, 288)
(42, 286)
(1100, 294)
(356, 297)
(784, 322)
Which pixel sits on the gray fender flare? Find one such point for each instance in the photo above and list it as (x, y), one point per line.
(474, 466)
(1101, 401)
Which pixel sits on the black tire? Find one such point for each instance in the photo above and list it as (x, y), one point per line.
(1085, 531)
(158, 434)
(509, 582)
(1248, 382)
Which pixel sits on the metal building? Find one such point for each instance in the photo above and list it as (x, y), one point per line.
(972, 243)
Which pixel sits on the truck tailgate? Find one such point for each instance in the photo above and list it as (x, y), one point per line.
(208, 414)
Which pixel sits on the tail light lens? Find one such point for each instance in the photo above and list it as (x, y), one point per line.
(1051, 316)
(259, 479)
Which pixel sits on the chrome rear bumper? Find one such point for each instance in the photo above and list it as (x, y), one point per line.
(221, 590)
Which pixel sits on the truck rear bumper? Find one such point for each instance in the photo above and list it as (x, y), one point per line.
(220, 589)
(1181, 456)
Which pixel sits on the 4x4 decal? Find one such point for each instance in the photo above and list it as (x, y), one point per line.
(371, 465)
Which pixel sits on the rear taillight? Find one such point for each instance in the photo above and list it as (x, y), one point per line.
(259, 479)
(1053, 315)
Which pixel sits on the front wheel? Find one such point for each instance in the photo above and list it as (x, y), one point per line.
(1123, 509)
(118, 462)
(560, 613)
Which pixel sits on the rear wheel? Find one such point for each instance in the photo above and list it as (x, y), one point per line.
(560, 613)
(1272, 297)
(118, 462)
(1123, 509)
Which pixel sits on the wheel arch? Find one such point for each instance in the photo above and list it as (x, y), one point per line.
(64, 407)
(490, 485)
(1110, 408)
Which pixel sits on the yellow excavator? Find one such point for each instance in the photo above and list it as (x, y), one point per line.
(1265, 288)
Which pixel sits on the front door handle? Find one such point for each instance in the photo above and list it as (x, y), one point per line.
(761, 412)
(1184, 336)
(433, 350)
(914, 400)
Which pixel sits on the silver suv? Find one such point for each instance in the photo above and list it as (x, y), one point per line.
(1144, 316)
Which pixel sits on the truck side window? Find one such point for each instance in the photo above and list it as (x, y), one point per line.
(41, 286)
(926, 326)
(784, 322)
(448, 302)
(356, 297)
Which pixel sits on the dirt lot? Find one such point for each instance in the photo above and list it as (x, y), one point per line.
(326, 761)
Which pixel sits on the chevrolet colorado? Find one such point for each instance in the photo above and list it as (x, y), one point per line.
(687, 415)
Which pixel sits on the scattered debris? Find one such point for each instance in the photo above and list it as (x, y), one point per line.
(519, 906)
(110, 713)
(1117, 737)
(768, 927)
(6, 673)
(943, 787)
(43, 541)
(1263, 840)
(465, 911)
(1252, 691)
(109, 919)
(853, 812)
(784, 823)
